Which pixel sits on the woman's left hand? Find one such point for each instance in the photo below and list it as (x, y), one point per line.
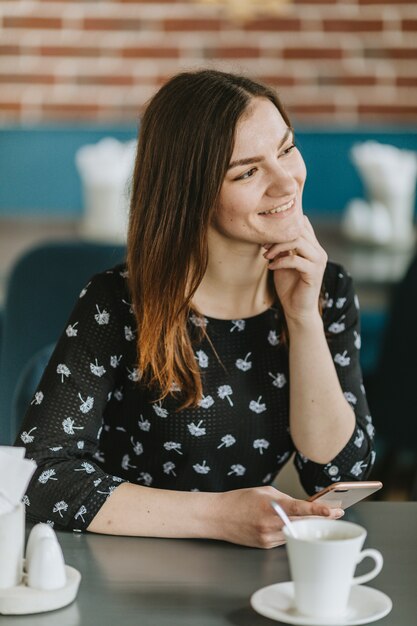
(298, 267)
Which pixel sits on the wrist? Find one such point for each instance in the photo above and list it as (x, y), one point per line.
(311, 322)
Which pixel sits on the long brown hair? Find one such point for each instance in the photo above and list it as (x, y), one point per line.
(185, 145)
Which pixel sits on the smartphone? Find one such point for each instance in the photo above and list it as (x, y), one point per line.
(342, 495)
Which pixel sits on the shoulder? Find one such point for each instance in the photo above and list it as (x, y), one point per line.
(110, 284)
(337, 281)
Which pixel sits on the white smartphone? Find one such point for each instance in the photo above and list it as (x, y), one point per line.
(343, 495)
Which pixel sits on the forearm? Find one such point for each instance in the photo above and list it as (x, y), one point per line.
(321, 420)
(146, 512)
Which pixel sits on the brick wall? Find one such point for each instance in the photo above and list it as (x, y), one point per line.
(343, 62)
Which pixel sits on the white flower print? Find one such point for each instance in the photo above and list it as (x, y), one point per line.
(129, 334)
(172, 445)
(97, 481)
(85, 467)
(63, 371)
(357, 340)
(238, 324)
(196, 430)
(68, 426)
(38, 397)
(257, 406)
(337, 327)
(244, 364)
(225, 391)
(201, 468)
(71, 331)
(266, 479)
(115, 360)
(318, 488)
(47, 475)
(273, 338)
(80, 445)
(60, 506)
(198, 321)
(117, 479)
(81, 511)
(202, 358)
(110, 491)
(358, 468)
(96, 369)
(137, 446)
(261, 445)
(369, 426)
(144, 425)
(121, 428)
(99, 456)
(350, 397)
(124, 274)
(237, 470)
(279, 380)
(87, 404)
(26, 500)
(26, 437)
(342, 359)
(332, 470)
(356, 301)
(360, 436)
(126, 463)
(169, 467)
(175, 387)
(118, 394)
(56, 448)
(227, 440)
(84, 291)
(206, 402)
(129, 304)
(133, 374)
(159, 410)
(340, 302)
(146, 478)
(327, 302)
(373, 456)
(281, 458)
(102, 317)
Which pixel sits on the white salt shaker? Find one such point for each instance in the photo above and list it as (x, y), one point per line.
(45, 565)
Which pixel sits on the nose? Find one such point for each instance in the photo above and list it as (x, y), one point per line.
(282, 182)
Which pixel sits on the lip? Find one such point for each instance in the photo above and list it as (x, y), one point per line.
(281, 214)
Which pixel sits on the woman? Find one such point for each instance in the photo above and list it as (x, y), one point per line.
(184, 382)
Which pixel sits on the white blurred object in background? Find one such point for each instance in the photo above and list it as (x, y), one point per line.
(106, 169)
(389, 177)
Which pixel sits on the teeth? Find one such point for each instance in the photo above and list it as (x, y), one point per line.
(279, 209)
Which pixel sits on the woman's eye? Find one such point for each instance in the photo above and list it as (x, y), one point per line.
(247, 174)
(288, 150)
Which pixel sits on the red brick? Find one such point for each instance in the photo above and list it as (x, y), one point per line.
(151, 52)
(9, 50)
(386, 2)
(409, 25)
(234, 52)
(312, 53)
(279, 81)
(390, 53)
(69, 51)
(93, 23)
(70, 111)
(31, 22)
(406, 81)
(274, 24)
(13, 107)
(193, 24)
(104, 80)
(349, 80)
(33, 79)
(388, 109)
(356, 26)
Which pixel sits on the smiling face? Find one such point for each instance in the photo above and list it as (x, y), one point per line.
(261, 196)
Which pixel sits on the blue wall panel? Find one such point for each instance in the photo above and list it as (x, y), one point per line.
(38, 174)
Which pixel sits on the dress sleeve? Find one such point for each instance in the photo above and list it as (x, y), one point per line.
(341, 322)
(63, 422)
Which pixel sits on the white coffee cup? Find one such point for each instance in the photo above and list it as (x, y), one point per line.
(12, 539)
(322, 560)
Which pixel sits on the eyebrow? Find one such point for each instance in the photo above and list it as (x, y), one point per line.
(257, 159)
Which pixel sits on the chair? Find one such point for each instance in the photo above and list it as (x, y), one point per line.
(42, 289)
(392, 395)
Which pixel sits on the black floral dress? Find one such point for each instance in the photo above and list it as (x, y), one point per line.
(91, 424)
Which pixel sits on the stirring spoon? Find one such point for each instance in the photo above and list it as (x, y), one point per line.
(282, 514)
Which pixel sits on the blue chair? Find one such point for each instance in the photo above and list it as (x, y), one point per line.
(42, 289)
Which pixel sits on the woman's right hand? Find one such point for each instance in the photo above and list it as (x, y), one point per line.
(246, 517)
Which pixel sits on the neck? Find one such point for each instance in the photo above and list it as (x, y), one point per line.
(235, 284)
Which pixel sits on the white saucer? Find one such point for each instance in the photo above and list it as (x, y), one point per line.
(365, 605)
(22, 599)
